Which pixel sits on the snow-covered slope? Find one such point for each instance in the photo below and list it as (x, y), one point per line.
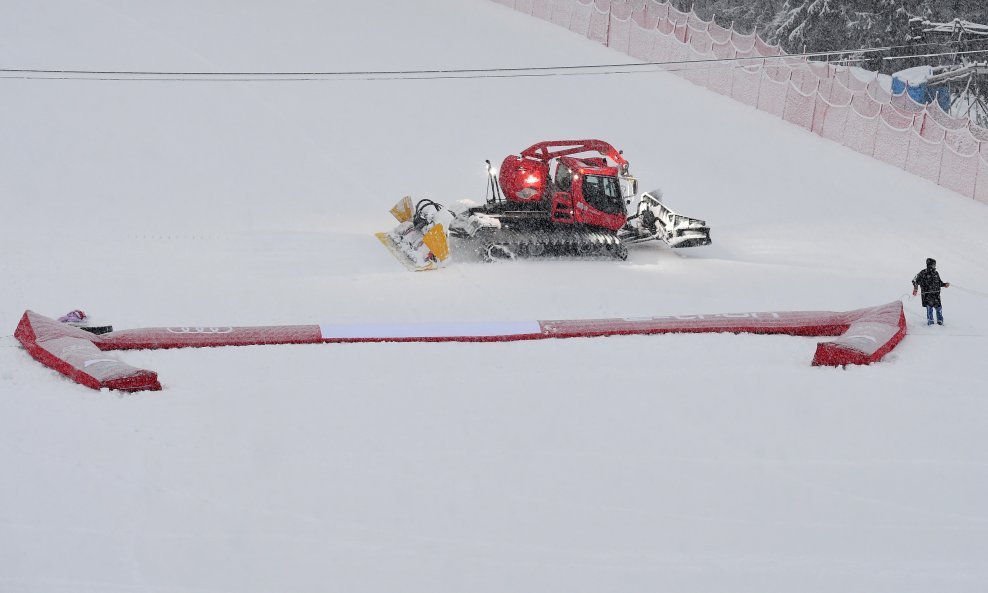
(713, 463)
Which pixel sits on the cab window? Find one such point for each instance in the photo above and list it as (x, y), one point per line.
(564, 178)
(603, 193)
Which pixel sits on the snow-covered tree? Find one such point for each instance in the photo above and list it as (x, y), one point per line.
(811, 25)
(833, 25)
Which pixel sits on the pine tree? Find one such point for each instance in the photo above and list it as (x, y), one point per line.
(834, 25)
(883, 23)
(812, 25)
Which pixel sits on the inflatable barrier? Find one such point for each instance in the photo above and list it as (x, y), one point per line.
(862, 336)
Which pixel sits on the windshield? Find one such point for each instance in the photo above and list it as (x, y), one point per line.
(603, 193)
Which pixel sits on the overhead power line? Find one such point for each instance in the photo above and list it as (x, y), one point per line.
(450, 74)
(954, 53)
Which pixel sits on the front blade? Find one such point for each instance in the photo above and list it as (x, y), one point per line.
(435, 240)
(402, 257)
(402, 210)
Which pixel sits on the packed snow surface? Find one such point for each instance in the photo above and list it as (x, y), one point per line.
(667, 463)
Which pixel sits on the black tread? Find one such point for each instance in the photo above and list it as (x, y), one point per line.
(509, 244)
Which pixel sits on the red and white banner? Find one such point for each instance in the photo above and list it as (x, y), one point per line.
(863, 336)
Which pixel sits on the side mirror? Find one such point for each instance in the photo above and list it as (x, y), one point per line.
(629, 188)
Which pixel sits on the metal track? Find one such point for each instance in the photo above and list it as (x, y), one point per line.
(510, 244)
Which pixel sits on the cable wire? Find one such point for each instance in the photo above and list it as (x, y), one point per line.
(953, 53)
(437, 74)
(969, 290)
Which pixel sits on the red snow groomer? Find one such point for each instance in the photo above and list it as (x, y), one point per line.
(552, 199)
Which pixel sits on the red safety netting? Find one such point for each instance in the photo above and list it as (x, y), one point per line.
(619, 33)
(721, 76)
(645, 18)
(829, 120)
(699, 73)
(580, 21)
(764, 49)
(822, 70)
(978, 132)
(839, 94)
(665, 26)
(878, 93)
(959, 172)
(662, 45)
(981, 185)
(746, 84)
(803, 78)
(864, 336)
(772, 91)
(906, 104)
(675, 15)
(599, 21)
(745, 42)
(961, 140)
(800, 107)
(718, 34)
(542, 9)
(681, 31)
(622, 9)
(701, 43)
(925, 158)
(892, 137)
(724, 51)
(640, 42)
(944, 119)
(928, 128)
(562, 13)
(862, 124)
(897, 119)
(695, 22)
(678, 53)
(848, 79)
(657, 10)
(833, 101)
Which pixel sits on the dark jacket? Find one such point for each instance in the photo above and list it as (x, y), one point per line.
(929, 283)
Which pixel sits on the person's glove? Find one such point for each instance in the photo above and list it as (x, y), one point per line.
(946, 284)
(914, 292)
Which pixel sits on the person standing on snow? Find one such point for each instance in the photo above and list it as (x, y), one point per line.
(929, 280)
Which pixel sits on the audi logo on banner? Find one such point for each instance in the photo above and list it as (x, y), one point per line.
(200, 330)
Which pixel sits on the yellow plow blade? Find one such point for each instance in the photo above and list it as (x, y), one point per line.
(435, 240)
(402, 210)
(400, 255)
